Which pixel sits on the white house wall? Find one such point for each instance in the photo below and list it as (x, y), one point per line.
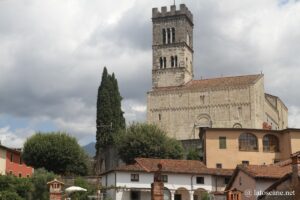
(124, 179)
(175, 181)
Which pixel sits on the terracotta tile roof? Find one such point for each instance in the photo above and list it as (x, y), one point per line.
(266, 171)
(216, 82)
(173, 166)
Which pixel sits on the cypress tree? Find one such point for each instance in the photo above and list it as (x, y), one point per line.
(109, 113)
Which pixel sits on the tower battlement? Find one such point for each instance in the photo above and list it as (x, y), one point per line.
(183, 10)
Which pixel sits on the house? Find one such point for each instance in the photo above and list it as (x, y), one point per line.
(287, 187)
(11, 163)
(251, 181)
(249, 146)
(183, 180)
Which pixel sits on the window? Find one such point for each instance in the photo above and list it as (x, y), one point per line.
(21, 161)
(161, 62)
(240, 114)
(165, 62)
(159, 117)
(202, 99)
(20, 175)
(11, 157)
(222, 142)
(177, 197)
(176, 61)
(240, 180)
(172, 61)
(135, 195)
(27, 176)
(248, 142)
(10, 172)
(270, 143)
(173, 35)
(226, 180)
(200, 180)
(245, 162)
(164, 178)
(135, 177)
(169, 35)
(219, 165)
(164, 36)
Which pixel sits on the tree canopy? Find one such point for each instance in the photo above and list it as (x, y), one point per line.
(148, 141)
(56, 152)
(14, 188)
(35, 187)
(109, 113)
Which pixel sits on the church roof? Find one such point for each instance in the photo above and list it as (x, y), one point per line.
(220, 82)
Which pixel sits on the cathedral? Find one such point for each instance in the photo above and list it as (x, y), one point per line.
(183, 106)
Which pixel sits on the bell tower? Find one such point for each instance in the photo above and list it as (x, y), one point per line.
(172, 46)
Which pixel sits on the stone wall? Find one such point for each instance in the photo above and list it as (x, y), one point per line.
(182, 112)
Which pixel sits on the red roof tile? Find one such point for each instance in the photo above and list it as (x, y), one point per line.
(173, 166)
(266, 171)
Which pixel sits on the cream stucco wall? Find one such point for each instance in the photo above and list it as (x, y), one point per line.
(2, 161)
(231, 156)
(295, 141)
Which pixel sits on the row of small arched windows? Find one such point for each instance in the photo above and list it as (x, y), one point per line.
(163, 62)
(248, 142)
(168, 35)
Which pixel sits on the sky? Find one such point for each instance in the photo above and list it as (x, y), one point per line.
(52, 54)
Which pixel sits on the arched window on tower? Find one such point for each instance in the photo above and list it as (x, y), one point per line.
(172, 61)
(164, 36)
(270, 143)
(176, 65)
(161, 62)
(169, 35)
(173, 35)
(248, 142)
(165, 62)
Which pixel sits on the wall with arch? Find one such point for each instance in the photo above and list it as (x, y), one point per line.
(229, 157)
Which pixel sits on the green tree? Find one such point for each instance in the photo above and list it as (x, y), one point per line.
(39, 180)
(148, 141)
(13, 188)
(109, 113)
(193, 154)
(56, 152)
(9, 195)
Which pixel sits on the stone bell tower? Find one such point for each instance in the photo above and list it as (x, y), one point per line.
(172, 46)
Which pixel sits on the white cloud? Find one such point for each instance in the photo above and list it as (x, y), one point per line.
(52, 54)
(14, 139)
(294, 117)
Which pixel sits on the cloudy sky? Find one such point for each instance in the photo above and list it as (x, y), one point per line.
(52, 54)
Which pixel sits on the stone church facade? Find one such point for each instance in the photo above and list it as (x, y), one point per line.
(182, 106)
